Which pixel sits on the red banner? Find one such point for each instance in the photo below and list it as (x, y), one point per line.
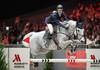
(79, 54)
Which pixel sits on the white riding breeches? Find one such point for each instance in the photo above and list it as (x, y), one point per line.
(50, 27)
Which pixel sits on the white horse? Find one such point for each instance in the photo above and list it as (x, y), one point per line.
(36, 41)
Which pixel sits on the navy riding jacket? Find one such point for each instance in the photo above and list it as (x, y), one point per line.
(55, 19)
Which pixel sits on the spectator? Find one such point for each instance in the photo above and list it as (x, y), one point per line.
(5, 40)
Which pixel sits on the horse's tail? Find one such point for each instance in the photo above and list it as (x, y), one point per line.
(26, 39)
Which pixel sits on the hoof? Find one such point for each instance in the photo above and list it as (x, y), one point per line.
(36, 64)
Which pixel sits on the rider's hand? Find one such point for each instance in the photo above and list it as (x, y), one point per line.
(46, 28)
(61, 22)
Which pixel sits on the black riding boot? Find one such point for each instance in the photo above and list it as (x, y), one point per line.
(47, 37)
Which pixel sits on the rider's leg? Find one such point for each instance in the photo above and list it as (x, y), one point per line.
(48, 34)
(50, 28)
(49, 31)
(54, 37)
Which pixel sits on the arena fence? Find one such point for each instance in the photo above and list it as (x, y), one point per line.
(18, 57)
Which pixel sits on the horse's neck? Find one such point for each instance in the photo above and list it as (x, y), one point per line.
(62, 30)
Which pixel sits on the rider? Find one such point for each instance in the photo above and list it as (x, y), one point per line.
(55, 19)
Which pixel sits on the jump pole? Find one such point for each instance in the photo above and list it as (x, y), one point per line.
(61, 60)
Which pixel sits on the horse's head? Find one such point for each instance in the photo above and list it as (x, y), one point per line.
(73, 29)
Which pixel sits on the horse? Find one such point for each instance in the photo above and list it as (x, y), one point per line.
(64, 37)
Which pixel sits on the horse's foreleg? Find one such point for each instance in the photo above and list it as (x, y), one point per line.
(65, 44)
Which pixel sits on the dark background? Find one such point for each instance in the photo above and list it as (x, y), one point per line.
(12, 8)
